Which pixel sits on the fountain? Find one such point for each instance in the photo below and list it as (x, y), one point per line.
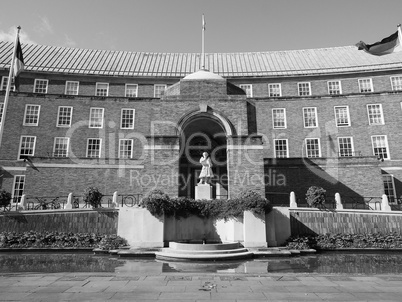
(203, 252)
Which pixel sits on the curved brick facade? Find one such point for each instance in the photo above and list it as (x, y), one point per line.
(337, 127)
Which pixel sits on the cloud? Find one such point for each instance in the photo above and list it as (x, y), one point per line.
(9, 36)
(68, 41)
(44, 27)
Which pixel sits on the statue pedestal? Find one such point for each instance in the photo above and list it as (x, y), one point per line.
(203, 191)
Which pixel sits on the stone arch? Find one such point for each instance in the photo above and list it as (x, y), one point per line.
(206, 111)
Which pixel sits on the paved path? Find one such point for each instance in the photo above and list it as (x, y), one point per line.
(198, 287)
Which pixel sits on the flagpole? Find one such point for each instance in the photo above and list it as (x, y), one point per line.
(6, 97)
(203, 44)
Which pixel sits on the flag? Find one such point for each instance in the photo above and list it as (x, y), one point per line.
(203, 23)
(386, 46)
(19, 59)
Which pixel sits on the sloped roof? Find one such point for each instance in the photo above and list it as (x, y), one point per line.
(251, 64)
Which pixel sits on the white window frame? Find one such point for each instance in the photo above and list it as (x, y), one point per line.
(319, 146)
(20, 146)
(120, 148)
(301, 86)
(396, 83)
(121, 118)
(388, 156)
(25, 116)
(17, 197)
(349, 153)
(58, 117)
(393, 199)
(287, 148)
(3, 86)
(127, 89)
(93, 119)
(248, 88)
(97, 89)
(284, 120)
(315, 117)
(274, 86)
(67, 91)
(332, 90)
(100, 147)
(157, 93)
(362, 83)
(371, 120)
(338, 117)
(37, 83)
(67, 144)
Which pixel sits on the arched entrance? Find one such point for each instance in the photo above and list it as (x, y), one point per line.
(203, 132)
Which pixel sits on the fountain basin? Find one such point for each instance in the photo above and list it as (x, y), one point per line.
(203, 252)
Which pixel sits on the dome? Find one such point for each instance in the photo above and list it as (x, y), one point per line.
(203, 74)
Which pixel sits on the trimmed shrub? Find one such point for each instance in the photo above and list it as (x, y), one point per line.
(93, 197)
(5, 198)
(315, 196)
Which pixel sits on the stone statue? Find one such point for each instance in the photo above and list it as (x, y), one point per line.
(206, 172)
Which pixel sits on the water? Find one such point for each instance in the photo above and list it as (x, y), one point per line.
(325, 263)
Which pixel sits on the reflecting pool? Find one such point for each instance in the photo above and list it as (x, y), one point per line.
(323, 263)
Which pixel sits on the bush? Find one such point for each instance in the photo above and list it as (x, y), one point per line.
(93, 197)
(315, 196)
(158, 204)
(5, 198)
(341, 241)
(254, 202)
(111, 242)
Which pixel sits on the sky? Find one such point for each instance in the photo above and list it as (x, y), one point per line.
(176, 25)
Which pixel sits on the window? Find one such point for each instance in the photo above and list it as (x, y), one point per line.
(310, 117)
(279, 118)
(1, 111)
(389, 187)
(96, 118)
(281, 148)
(304, 88)
(248, 88)
(342, 116)
(375, 116)
(102, 89)
(334, 87)
(19, 184)
(64, 116)
(127, 118)
(380, 146)
(72, 87)
(159, 90)
(131, 90)
(94, 147)
(125, 148)
(60, 147)
(31, 116)
(313, 147)
(396, 83)
(345, 145)
(40, 86)
(274, 90)
(27, 146)
(365, 85)
(4, 82)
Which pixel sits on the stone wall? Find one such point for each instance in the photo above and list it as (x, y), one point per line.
(311, 221)
(101, 221)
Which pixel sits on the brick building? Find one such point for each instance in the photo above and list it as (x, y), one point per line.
(275, 122)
